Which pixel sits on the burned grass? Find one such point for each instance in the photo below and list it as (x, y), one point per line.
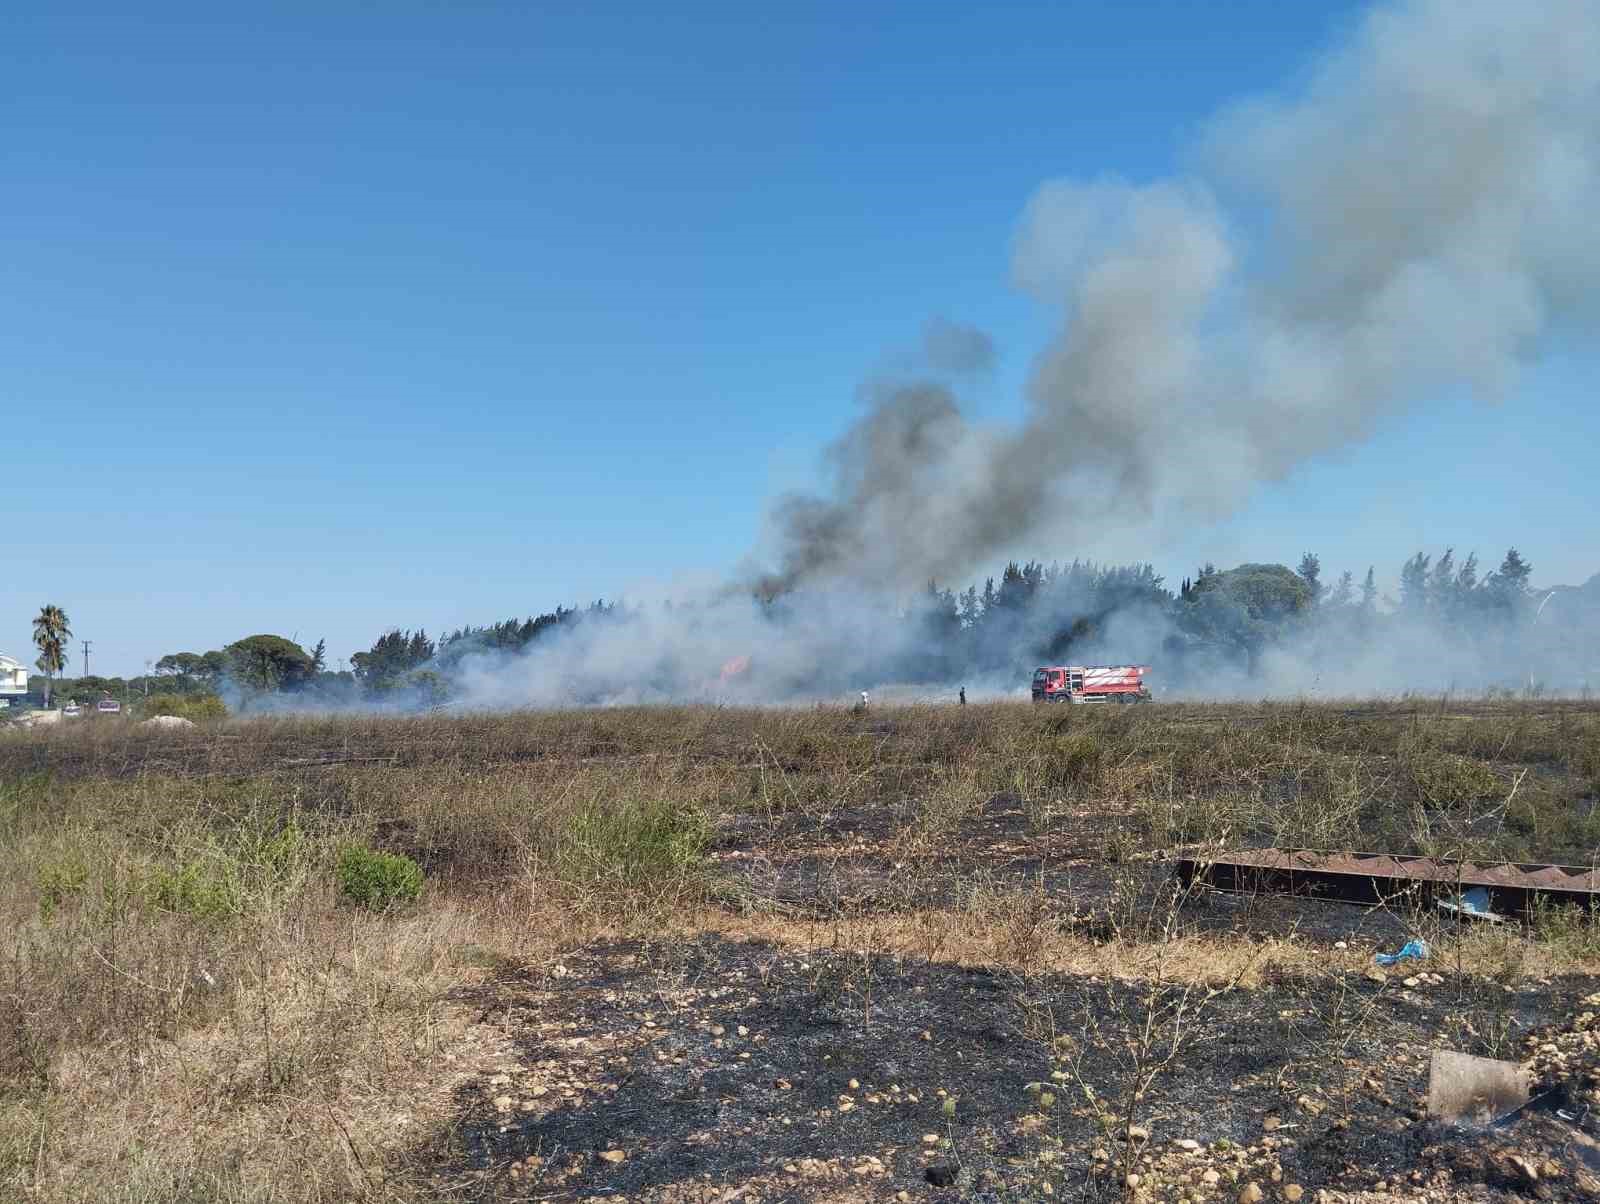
(716, 1068)
(975, 901)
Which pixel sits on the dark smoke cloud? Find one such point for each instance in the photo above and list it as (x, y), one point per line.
(1420, 219)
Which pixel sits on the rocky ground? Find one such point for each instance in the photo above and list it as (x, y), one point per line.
(727, 1069)
(789, 1057)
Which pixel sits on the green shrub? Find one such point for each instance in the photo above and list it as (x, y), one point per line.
(378, 880)
(195, 707)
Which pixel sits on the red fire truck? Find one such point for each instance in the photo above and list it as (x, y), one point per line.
(1090, 683)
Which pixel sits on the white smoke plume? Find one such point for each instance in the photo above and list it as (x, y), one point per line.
(1419, 220)
(1416, 223)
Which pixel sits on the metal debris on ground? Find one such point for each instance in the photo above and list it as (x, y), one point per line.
(1373, 879)
(1473, 905)
(1462, 1087)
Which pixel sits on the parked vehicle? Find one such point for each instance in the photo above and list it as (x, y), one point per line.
(1091, 683)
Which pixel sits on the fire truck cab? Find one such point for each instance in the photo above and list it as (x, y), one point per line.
(1090, 683)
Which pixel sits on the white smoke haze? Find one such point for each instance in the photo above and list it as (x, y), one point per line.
(1417, 222)
(826, 646)
(658, 654)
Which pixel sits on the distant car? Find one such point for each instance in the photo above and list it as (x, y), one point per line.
(71, 709)
(108, 706)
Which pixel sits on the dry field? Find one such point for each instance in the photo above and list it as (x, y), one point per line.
(921, 953)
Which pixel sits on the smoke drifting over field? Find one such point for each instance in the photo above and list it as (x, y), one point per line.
(1417, 222)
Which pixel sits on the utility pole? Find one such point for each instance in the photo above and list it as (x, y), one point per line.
(86, 647)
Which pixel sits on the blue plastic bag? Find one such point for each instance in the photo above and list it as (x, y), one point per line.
(1413, 948)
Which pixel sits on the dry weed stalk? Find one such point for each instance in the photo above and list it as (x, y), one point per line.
(1127, 1033)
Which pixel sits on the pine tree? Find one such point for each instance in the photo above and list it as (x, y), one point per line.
(1512, 577)
(1342, 594)
(1310, 572)
(1414, 583)
(971, 608)
(1507, 586)
(1442, 583)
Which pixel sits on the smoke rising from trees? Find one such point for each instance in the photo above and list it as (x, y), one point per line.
(1414, 226)
(1253, 631)
(1416, 223)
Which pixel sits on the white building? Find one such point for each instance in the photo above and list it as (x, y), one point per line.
(13, 678)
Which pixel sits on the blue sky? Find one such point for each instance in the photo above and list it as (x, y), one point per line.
(329, 318)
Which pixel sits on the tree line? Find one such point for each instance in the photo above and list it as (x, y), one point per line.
(407, 667)
(1033, 613)
(1236, 621)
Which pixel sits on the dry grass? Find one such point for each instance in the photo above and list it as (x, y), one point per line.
(190, 1011)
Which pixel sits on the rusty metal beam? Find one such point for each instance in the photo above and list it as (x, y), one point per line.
(1373, 879)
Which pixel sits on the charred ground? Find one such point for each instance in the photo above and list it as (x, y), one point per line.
(788, 954)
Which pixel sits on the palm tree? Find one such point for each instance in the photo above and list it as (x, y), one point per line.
(50, 635)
